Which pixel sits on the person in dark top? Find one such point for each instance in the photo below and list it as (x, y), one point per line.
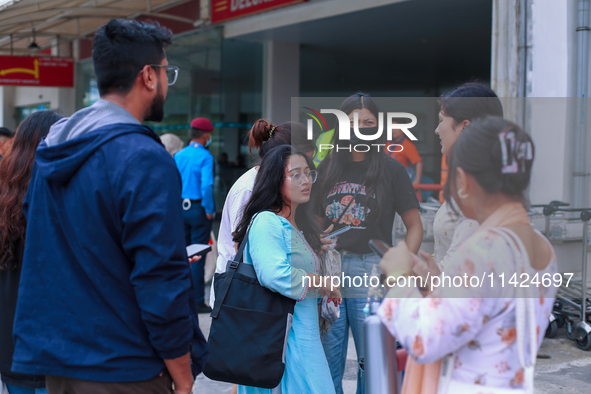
(6, 136)
(15, 173)
(378, 187)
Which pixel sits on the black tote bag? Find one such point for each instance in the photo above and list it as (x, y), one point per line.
(249, 329)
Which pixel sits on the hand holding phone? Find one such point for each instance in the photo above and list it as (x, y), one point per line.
(198, 250)
(397, 260)
(338, 232)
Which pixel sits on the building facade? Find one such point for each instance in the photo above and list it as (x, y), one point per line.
(242, 60)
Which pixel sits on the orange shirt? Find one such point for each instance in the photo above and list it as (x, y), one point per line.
(408, 154)
(444, 175)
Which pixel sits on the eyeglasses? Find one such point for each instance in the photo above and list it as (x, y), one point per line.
(298, 178)
(172, 72)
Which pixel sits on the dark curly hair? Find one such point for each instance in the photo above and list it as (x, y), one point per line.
(15, 173)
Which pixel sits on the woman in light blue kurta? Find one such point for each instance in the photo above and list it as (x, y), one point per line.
(282, 258)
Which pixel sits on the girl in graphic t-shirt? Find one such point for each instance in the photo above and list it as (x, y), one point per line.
(378, 187)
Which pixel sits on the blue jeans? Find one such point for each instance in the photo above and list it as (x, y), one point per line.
(197, 231)
(336, 340)
(24, 390)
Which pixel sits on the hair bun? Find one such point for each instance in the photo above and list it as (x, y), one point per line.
(259, 133)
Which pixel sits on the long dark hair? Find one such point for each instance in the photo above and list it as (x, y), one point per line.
(264, 136)
(331, 169)
(479, 151)
(15, 173)
(266, 196)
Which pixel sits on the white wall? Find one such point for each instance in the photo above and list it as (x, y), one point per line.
(549, 116)
(29, 95)
(550, 48)
(61, 100)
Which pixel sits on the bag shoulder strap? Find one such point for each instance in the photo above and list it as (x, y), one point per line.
(525, 310)
(230, 271)
(350, 202)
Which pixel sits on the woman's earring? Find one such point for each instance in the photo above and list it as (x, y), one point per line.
(461, 194)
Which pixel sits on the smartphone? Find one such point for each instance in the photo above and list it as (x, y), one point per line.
(380, 247)
(338, 232)
(198, 250)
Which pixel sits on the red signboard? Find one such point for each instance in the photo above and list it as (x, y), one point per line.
(37, 71)
(222, 10)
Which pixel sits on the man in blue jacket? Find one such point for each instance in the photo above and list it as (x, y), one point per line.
(106, 303)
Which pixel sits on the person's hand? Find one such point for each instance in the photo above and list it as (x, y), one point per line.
(326, 242)
(194, 259)
(332, 293)
(397, 260)
(209, 216)
(336, 300)
(180, 372)
(424, 268)
(326, 288)
(184, 388)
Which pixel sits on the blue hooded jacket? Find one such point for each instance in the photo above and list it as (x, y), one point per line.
(105, 291)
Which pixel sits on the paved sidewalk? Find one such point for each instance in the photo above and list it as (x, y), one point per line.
(568, 371)
(203, 385)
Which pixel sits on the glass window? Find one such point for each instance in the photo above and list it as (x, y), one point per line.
(219, 79)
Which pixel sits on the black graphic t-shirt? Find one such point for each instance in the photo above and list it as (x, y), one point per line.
(360, 213)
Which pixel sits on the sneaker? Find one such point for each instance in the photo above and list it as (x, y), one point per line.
(202, 308)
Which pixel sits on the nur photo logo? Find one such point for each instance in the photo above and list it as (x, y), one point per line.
(402, 121)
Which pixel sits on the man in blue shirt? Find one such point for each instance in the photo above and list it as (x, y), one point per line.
(195, 163)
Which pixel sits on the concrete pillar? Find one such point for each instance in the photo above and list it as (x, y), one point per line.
(505, 48)
(7, 107)
(281, 79)
(66, 97)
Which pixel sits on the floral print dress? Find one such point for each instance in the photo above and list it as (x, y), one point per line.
(477, 325)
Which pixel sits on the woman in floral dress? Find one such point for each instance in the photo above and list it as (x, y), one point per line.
(476, 320)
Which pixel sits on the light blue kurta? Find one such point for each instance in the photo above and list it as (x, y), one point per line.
(281, 259)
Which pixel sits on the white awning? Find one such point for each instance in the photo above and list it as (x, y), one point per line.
(51, 20)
